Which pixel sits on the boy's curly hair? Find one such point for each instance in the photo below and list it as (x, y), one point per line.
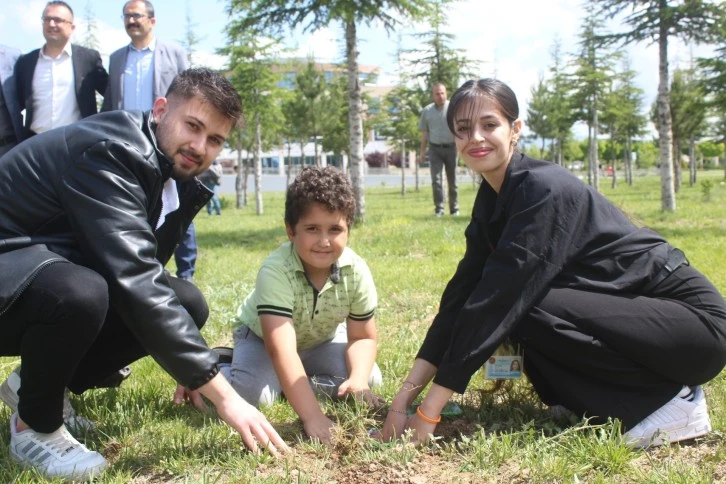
(327, 186)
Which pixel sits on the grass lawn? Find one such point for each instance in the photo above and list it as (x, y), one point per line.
(507, 436)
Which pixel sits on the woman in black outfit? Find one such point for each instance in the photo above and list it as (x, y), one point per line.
(612, 320)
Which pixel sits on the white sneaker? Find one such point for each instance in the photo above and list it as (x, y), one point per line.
(56, 454)
(684, 417)
(9, 395)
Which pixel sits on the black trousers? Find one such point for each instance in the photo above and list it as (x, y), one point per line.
(68, 334)
(624, 355)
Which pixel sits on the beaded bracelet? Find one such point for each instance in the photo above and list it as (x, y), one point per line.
(427, 419)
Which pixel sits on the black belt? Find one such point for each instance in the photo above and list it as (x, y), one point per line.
(447, 145)
(676, 259)
(7, 140)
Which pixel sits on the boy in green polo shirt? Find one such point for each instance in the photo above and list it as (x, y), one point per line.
(308, 327)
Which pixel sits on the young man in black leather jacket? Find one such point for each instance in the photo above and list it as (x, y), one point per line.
(89, 214)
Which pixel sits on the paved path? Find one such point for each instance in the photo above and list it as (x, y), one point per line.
(277, 183)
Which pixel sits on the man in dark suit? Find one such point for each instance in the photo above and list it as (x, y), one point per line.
(11, 122)
(57, 84)
(140, 73)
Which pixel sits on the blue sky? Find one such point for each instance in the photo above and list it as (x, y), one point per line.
(511, 39)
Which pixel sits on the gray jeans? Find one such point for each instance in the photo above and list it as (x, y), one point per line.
(441, 159)
(253, 376)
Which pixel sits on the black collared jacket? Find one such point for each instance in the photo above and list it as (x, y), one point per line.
(546, 228)
(90, 193)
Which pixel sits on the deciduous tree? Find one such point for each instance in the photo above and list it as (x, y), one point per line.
(657, 21)
(277, 15)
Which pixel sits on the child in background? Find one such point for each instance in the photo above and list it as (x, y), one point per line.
(307, 328)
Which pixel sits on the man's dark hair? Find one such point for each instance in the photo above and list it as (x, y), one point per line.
(58, 3)
(147, 4)
(327, 186)
(212, 87)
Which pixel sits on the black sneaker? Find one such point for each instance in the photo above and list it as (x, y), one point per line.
(224, 354)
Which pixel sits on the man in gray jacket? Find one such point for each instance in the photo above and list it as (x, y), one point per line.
(139, 73)
(84, 291)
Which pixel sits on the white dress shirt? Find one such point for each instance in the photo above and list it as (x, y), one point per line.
(54, 92)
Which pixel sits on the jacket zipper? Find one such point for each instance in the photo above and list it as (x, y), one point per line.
(28, 282)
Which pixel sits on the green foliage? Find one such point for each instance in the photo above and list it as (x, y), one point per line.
(647, 154)
(706, 186)
(709, 149)
(713, 83)
(191, 40)
(655, 22)
(435, 60)
(337, 127)
(539, 108)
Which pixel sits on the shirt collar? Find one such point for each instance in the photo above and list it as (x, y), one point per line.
(345, 259)
(151, 46)
(66, 50)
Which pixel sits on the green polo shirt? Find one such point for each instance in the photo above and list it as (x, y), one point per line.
(283, 289)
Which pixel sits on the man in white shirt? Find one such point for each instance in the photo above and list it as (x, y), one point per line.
(57, 84)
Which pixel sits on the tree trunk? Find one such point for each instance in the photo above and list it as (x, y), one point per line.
(629, 161)
(357, 174)
(239, 180)
(677, 170)
(667, 192)
(258, 164)
(613, 156)
(590, 167)
(692, 160)
(595, 148)
(244, 181)
(403, 168)
(288, 175)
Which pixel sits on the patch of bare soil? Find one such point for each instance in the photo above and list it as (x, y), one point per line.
(699, 453)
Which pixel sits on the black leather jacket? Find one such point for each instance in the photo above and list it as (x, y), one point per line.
(90, 193)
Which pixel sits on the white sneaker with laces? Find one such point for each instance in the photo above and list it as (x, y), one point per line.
(56, 454)
(684, 417)
(9, 395)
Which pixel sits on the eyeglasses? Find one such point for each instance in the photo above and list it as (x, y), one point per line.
(135, 16)
(56, 20)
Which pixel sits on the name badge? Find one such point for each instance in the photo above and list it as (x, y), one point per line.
(503, 367)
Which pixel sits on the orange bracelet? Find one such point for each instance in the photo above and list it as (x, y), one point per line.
(425, 418)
